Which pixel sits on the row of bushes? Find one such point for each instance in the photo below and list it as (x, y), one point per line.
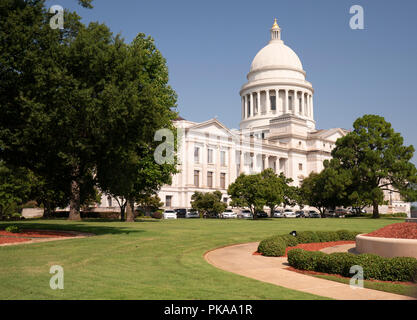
(383, 215)
(275, 246)
(374, 266)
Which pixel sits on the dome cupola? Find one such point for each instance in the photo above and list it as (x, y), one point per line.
(276, 85)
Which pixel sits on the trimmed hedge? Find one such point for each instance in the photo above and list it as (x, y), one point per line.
(374, 266)
(275, 246)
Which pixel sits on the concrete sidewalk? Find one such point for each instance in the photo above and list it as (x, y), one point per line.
(239, 259)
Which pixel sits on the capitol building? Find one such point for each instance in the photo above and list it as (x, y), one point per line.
(277, 130)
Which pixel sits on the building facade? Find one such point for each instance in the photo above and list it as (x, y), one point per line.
(277, 130)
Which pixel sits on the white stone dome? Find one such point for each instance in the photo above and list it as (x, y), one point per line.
(276, 54)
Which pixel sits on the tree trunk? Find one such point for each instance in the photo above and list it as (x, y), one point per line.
(130, 213)
(47, 210)
(375, 213)
(75, 201)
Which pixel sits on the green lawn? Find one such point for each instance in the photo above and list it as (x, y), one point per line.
(150, 259)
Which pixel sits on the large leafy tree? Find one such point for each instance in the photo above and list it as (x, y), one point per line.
(48, 95)
(326, 189)
(246, 191)
(208, 202)
(142, 102)
(15, 188)
(377, 160)
(273, 188)
(78, 99)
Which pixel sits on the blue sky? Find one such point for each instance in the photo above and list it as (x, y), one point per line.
(209, 46)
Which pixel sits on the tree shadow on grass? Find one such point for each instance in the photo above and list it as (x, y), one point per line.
(83, 226)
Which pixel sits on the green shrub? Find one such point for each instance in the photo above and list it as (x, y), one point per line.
(290, 240)
(307, 237)
(400, 269)
(272, 247)
(346, 235)
(371, 264)
(13, 229)
(305, 260)
(157, 215)
(327, 236)
(340, 263)
(374, 266)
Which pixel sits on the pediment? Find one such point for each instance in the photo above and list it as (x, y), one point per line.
(211, 127)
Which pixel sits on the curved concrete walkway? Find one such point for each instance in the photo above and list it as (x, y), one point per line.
(239, 259)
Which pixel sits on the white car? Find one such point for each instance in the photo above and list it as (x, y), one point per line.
(191, 213)
(228, 214)
(170, 214)
(245, 214)
(288, 213)
(278, 214)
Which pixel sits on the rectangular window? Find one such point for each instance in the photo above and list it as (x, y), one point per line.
(223, 180)
(196, 178)
(210, 179)
(300, 166)
(290, 103)
(168, 201)
(210, 156)
(223, 158)
(196, 155)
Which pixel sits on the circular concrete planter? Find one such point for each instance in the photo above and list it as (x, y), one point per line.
(386, 247)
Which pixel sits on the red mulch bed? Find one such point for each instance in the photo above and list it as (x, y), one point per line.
(28, 235)
(313, 246)
(339, 276)
(404, 230)
(37, 234)
(4, 240)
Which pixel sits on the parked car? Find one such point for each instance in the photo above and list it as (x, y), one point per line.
(228, 214)
(315, 214)
(310, 213)
(288, 213)
(261, 214)
(170, 214)
(192, 213)
(211, 215)
(300, 214)
(245, 214)
(278, 214)
(181, 213)
(330, 213)
(340, 213)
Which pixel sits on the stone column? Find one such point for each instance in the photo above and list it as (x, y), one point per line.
(242, 161)
(303, 109)
(312, 107)
(252, 109)
(294, 102)
(243, 107)
(258, 102)
(286, 107)
(268, 102)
